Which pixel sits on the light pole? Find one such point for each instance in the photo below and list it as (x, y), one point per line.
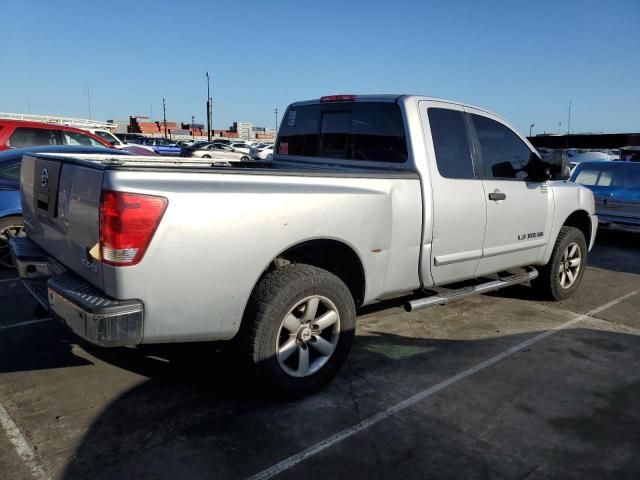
(87, 89)
(193, 133)
(208, 109)
(531, 128)
(164, 116)
(275, 110)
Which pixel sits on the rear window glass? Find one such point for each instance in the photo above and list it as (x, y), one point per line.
(31, 137)
(350, 131)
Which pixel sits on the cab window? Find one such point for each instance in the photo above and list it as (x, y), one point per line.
(31, 137)
(75, 138)
(364, 131)
(450, 142)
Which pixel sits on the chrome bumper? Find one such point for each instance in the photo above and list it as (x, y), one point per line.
(90, 313)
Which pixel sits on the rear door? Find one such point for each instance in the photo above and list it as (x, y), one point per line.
(519, 211)
(458, 199)
(628, 198)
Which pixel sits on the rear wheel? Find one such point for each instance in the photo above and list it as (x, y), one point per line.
(562, 276)
(301, 323)
(9, 227)
(244, 158)
(206, 156)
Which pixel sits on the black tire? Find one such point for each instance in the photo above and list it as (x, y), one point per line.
(9, 226)
(548, 284)
(274, 297)
(206, 156)
(244, 159)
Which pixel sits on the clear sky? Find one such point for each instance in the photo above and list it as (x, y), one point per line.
(523, 59)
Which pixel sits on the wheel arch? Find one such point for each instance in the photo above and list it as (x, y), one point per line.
(581, 220)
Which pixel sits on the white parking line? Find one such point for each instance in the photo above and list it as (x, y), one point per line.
(22, 447)
(9, 279)
(369, 422)
(24, 324)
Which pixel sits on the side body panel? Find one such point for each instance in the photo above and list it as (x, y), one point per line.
(221, 231)
(569, 198)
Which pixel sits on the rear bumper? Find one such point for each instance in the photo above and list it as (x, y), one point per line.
(90, 313)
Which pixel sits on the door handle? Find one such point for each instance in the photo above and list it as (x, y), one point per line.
(497, 195)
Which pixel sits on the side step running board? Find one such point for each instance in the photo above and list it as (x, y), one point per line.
(444, 298)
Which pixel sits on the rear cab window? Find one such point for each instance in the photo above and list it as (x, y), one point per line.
(360, 131)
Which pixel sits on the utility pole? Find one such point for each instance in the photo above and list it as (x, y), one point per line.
(275, 110)
(164, 116)
(208, 109)
(569, 124)
(87, 89)
(193, 134)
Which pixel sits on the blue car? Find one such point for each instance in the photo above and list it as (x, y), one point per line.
(161, 146)
(10, 207)
(616, 188)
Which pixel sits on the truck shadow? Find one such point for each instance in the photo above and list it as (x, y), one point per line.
(197, 417)
(616, 251)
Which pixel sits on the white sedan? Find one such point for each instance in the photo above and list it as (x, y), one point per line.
(261, 152)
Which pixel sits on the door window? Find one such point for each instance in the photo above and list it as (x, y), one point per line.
(450, 143)
(75, 138)
(504, 155)
(31, 137)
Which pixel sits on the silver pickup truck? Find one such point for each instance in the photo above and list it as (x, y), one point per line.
(366, 198)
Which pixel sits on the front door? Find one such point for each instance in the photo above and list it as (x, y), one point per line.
(519, 211)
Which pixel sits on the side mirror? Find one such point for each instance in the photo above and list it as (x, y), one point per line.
(560, 167)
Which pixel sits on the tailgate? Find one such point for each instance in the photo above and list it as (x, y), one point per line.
(61, 208)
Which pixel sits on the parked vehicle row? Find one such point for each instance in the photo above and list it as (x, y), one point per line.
(367, 197)
(616, 187)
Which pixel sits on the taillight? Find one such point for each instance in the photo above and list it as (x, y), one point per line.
(337, 98)
(127, 224)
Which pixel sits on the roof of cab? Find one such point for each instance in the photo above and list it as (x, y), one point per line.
(392, 98)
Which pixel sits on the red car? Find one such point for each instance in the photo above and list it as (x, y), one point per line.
(18, 134)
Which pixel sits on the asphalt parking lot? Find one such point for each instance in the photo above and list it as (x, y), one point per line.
(498, 386)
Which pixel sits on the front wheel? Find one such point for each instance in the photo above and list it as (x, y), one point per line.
(562, 276)
(301, 324)
(9, 227)
(244, 158)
